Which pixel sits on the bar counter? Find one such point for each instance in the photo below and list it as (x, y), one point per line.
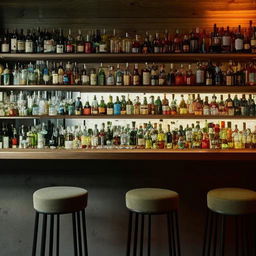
(130, 154)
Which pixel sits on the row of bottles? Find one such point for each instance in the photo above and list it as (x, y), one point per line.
(58, 103)
(220, 39)
(146, 136)
(206, 73)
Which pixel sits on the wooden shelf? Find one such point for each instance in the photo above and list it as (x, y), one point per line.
(132, 154)
(108, 57)
(131, 89)
(171, 117)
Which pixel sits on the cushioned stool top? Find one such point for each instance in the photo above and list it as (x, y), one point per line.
(60, 199)
(232, 201)
(152, 200)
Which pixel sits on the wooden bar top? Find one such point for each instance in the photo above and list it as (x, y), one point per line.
(130, 154)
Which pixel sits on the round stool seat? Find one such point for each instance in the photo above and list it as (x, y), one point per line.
(232, 201)
(152, 200)
(60, 199)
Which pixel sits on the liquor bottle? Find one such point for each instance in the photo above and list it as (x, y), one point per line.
(129, 107)
(46, 74)
(185, 44)
(209, 74)
(183, 106)
(102, 107)
(96, 39)
(136, 46)
(206, 107)
(218, 76)
(239, 40)
(133, 135)
(7, 75)
(229, 106)
(140, 138)
(117, 107)
(157, 47)
(239, 75)
(144, 107)
(29, 44)
(110, 78)
(215, 40)
(119, 76)
(79, 42)
(127, 44)
(146, 75)
(166, 43)
(123, 105)
(214, 108)
(60, 73)
(177, 42)
(47, 42)
(173, 105)
(200, 74)
(14, 41)
(251, 106)
(21, 42)
(60, 44)
(190, 77)
(115, 43)
(55, 75)
(103, 45)
(198, 110)
(69, 44)
(127, 76)
(226, 41)
(85, 78)
(137, 106)
(230, 78)
(154, 75)
(87, 109)
(95, 137)
(94, 109)
(93, 77)
(136, 76)
(171, 75)
(244, 107)
(146, 45)
(180, 76)
(78, 107)
(31, 79)
(162, 76)
(253, 41)
(194, 41)
(101, 75)
(5, 44)
(88, 48)
(247, 41)
(158, 106)
(39, 41)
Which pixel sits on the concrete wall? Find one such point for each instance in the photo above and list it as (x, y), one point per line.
(107, 182)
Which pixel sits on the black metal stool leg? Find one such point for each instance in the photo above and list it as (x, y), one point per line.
(58, 235)
(206, 232)
(175, 214)
(84, 233)
(35, 234)
(149, 235)
(129, 234)
(244, 234)
(135, 234)
(237, 235)
(74, 233)
(79, 233)
(216, 218)
(141, 234)
(222, 235)
(174, 248)
(208, 251)
(51, 235)
(43, 241)
(169, 233)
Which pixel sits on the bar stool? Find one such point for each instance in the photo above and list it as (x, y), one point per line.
(53, 202)
(147, 202)
(239, 205)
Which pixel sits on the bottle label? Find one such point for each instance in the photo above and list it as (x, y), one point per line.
(80, 48)
(185, 48)
(48, 47)
(60, 79)
(199, 76)
(102, 48)
(110, 111)
(68, 144)
(59, 48)
(21, 45)
(141, 142)
(102, 110)
(46, 78)
(117, 109)
(5, 142)
(239, 44)
(14, 44)
(110, 80)
(229, 80)
(93, 79)
(145, 78)
(252, 78)
(29, 46)
(208, 81)
(69, 48)
(136, 80)
(1, 144)
(247, 46)
(161, 81)
(55, 78)
(226, 40)
(127, 80)
(129, 109)
(253, 42)
(85, 79)
(5, 47)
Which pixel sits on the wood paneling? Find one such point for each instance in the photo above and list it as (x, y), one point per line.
(127, 14)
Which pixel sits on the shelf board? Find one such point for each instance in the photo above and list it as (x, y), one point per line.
(142, 89)
(117, 117)
(108, 57)
(130, 154)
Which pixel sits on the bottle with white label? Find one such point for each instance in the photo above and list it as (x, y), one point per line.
(85, 78)
(6, 141)
(60, 42)
(5, 46)
(14, 42)
(239, 40)
(21, 42)
(146, 75)
(29, 44)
